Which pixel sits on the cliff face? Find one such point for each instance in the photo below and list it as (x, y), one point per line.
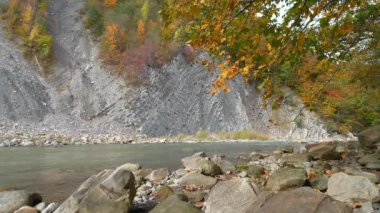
(80, 96)
(22, 95)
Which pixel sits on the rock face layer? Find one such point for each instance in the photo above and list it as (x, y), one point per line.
(22, 95)
(81, 96)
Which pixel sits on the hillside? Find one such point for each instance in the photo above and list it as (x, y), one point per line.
(83, 96)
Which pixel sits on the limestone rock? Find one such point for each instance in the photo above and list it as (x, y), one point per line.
(198, 180)
(174, 205)
(371, 176)
(131, 167)
(232, 196)
(194, 196)
(319, 182)
(106, 192)
(297, 158)
(369, 137)
(158, 174)
(370, 158)
(225, 165)
(324, 151)
(203, 164)
(255, 170)
(352, 189)
(162, 193)
(10, 201)
(300, 200)
(27, 209)
(286, 178)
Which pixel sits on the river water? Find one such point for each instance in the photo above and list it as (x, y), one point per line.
(56, 172)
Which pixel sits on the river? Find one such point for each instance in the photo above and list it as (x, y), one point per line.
(56, 172)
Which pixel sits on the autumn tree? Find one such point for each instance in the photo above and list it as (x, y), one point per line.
(110, 3)
(141, 29)
(300, 44)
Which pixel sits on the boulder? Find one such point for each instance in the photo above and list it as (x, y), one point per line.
(370, 158)
(202, 164)
(225, 165)
(256, 156)
(142, 172)
(365, 208)
(300, 200)
(40, 206)
(319, 182)
(232, 196)
(371, 176)
(324, 151)
(369, 137)
(285, 149)
(174, 205)
(131, 167)
(254, 170)
(352, 189)
(194, 196)
(27, 209)
(297, 158)
(10, 201)
(198, 180)
(162, 193)
(50, 208)
(158, 174)
(108, 191)
(286, 178)
(374, 166)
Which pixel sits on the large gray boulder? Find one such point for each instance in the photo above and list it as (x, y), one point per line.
(27, 209)
(286, 178)
(300, 200)
(319, 182)
(158, 174)
(232, 196)
(174, 205)
(224, 165)
(162, 193)
(323, 151)
(10, 201)
(369, 137)
(371, 161)
(108, 191)
(197, 180)
(352, 189)
(371, 176)
(202, 164)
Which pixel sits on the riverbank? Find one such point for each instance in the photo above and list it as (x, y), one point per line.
(330, 177)
(16, 139)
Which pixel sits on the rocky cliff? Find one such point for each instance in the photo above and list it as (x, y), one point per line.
(80, 96)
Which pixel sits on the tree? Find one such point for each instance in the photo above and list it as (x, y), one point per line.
(253, 38)
(110, 3)
(145, 10)
(302, 44)
(141, 29)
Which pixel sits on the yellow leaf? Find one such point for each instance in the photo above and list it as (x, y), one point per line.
(269, 47)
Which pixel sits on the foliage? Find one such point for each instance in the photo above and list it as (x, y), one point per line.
(28, 19)
(129, 33)
(93, 20)
(305, 45)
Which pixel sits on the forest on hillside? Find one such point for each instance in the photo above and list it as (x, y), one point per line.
(327, 51)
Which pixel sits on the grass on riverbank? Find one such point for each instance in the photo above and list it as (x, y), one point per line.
(204, 136)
